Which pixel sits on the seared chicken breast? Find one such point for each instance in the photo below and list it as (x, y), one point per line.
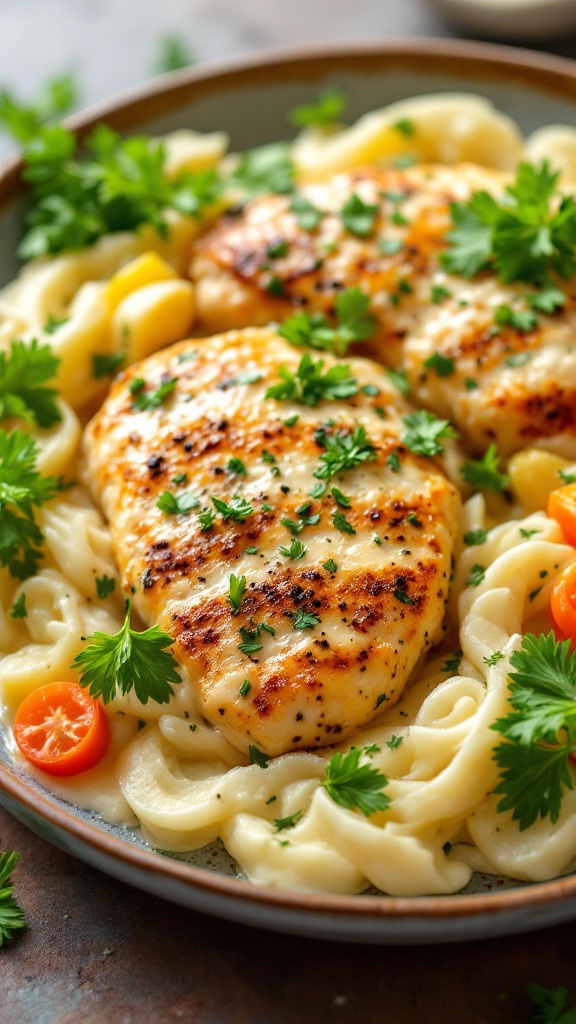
(506, 386)
(344, 538)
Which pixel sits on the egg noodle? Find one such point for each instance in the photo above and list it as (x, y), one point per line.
(178, 777)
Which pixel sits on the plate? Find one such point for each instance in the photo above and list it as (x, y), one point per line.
(249, 100)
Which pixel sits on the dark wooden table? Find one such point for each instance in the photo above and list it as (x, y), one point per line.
(95, 950)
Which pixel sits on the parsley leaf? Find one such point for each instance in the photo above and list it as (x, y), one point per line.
(341, 523)
(177, 504)
(296, 550)
(327, 110)
(358, 217)
(453, 664)
(174, 55)
(353, 323)
(21, 488)
(399, 379)
(551, 1005)
(250, 636)
(23, 373)
(306, 214)
(265, 169)
(129, 660)
(443, 366)
(522, 320)
(476, 577)
(354, 785)
(304, 620)
(11, 915)
(523, 236)
(474, 537)
(147, 400)
(309, 384)
(105, 585)
(18, 609)
(237, 509)
(547, 300)
(24, 121)
(343, 451)
(288, 822)
(237, 586)
(484, 473)
(107, 364)
(539, 732)
(424, 431)
(257, 757)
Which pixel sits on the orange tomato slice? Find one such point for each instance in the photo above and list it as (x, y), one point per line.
(563, 601)
(562, 508)
(61, 729)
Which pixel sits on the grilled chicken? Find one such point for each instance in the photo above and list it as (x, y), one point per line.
(506, 387)
(330, 630)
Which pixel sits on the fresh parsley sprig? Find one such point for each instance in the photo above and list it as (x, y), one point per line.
(237, 586)
(22, 488)
(354, 785)
(343, 451)
(119, 186)
(24, 371)
(424, 432)
(484, 473)
(525, 236)
(551, 1005)
(11, 915)
(310, 385)
(265, 169)
(23, 121)
(325, 111)
(129, 660)
(353, 323)
(539, 732)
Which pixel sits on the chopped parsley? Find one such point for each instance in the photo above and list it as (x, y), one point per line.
(476, 577)
(390, 246)
(146, 400)
(304, 620)
(523, 321)
(340, 498)
(307, 215)
(177, 504)
(105, 585)
(107, 364)
(265, 169)
(330, 565)
(296, 550)
(292, 819)
(24, 371)
(343, 451)
(493, 659)
(358, 217)
(257, 757)
(236, 467)
(453, 663)
(399, 379)
(341, 523)
(237, 509)
(250, 636)
(484, 473)
(313, 330)
(354, 785)
(245, 688)
(325, 111)
(438, 293)
(18, 609)
(237, 586)
(547, 300)
(309, 385)
(22, 488)
(424, 432)
(443, 366)
(475, 537)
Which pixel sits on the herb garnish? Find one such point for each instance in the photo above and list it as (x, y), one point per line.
(23, 375)
(237, 509)
(358, 217)
(296, 550)
(22, 488)
(424, 431)
(105, 585)
(129, 660)
(484, 473)
(177, 504)
(237, 586)
(356, 786)
(327, 110)
(265, 169)
(309, 385)
(11, 915)
(343, 451)
(304, 620)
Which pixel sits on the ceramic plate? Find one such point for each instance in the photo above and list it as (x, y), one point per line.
(249, 100)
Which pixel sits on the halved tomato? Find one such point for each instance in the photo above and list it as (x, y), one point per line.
(562, 508)
(563, 601)
(61, 729)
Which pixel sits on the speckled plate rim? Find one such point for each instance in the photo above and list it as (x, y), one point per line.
(380, 919)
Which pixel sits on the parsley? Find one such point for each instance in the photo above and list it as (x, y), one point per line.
(237, 509)
(237, 586)
(390, 246)
(23, 375)
(129, 660)
(105, 585)
(313, 330)
(547, 300)
(484, 473)
(399, 379)
(358, 217)
(146, 400)
(413, 518)
(356, 786)
(24, 121)
(53, 323)
(523, 321)
(307, 215)
(296, 526)
(523, 236)
(177, 504)
(277, 249)
(304, 620)
(296, 550)
(343, 451)
(326, 110)
(246, 377)
(405, 127)
(475, 537)
(330, 565)
(106, 364)
(443, 366)
(275, 286)
(265, 169)
(394, 742)
(371, 390)
(401, 595)
(438, 293)
(539, 731)
(424, 431)
(18, 609)
(518, 359)
(180, 478)
(476, 577)
(340, 498)
(236, 467)
(568, 476)
(21, 488)
(174, 55)
(11, 915)
(118, 186)
(453, 664)
(341, 523)
(257, 757)
(250, 636)
(309, 385)
(288, 822)
(291, 421)
(493, 659)
(245, 688)
(527, 533)
(206, 519)
(551, 1005)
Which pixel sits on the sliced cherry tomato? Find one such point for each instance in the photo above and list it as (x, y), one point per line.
(562, 508)
(563, 601)
(61, 729)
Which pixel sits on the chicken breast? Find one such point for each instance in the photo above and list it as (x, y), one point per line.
(507, 386)
(345, 589)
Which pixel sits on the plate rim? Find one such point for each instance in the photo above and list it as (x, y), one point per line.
(125, 111)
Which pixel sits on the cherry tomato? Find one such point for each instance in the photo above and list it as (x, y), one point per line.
(563, 601)
(562, 508)
(61, 729)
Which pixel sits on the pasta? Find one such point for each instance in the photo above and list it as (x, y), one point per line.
(178, 778)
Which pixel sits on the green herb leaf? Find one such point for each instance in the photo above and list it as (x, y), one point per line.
(341, 523)
(306, 214)
(438, 293)
(237, 509)
(453, 664)
(21, 489)
(107, 364)
(358, 217)
(177, 504)
(443, 366)
(325, 111)
(18, 609)
(313, 330)
(105, 585)
(304, 620)
(296, 550)
(356, 786)
(265, 169)
(23, 375)
(424, 432)
(523, 321)
(551, 1005)
(245, 688)
(475, 537)
(288, 822)
(24, 121)
(484, 473)
(343, 451)
(174, 55)
(309, 385)
(330, 565)
(257, 757)
(237, 586)
(129, 660)
(146, 400)
(547, 300)
(11, 915)
(476, 577)
(236, 467)
(399, 379)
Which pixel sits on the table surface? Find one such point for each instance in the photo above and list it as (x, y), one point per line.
(96, 950)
